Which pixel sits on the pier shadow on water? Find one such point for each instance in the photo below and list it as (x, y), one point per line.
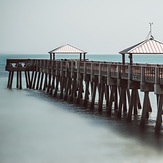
(119, 126)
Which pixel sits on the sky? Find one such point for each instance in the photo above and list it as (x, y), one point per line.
(95, 26)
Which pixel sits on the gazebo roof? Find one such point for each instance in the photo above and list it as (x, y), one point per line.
(67, 49)
(149, 46)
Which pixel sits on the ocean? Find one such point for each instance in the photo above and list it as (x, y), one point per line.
(36, 128)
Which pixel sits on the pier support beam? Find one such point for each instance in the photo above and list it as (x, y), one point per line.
(52, 85)
(38, 80)
(10, 79)
(49, 83)
(42, 77)
(80, 89)
(45, 82)
(86, 96)
(112, 98)
(158, 89)
(73, 90)
(92, 104)
(122, 85)
(68, 87)
(101, 96)
(159, 113)
(146, 88)
(145, 110)
(134, 99)
(132, 104)
(57, 85)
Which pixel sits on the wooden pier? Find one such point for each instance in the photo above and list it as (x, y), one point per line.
(111, 86)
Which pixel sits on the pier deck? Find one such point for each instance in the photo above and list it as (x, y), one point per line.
(82, 82)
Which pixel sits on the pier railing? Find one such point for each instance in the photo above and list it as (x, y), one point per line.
(149, 73)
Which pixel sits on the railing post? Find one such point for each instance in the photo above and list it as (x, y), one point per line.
(142, 74)
(92, 71)
(48, 66)
(129, 72)
(67, 68)
(52, 67)
(61, 68)
(72, 68)
(118, 71)
(78, 69)
(99, 74)
(108, 73)
(156, 75)
(56, 70)
(85, 69)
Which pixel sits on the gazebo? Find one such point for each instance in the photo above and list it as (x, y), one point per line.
(67, 49)
(148, 46)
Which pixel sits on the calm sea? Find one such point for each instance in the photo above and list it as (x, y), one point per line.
(35, 128)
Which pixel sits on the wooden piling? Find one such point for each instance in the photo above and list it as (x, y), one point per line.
(159, 114)
(20, 80)
(101, 96)
(56, 87)
(92, 104)
(34, 82)
(145, 108)
(80, 89)
(68, 87)
(132, 104)
(38, 80)
(52, 85)
(42, 77)
(86, 91)
(45, 82)
(9, 80)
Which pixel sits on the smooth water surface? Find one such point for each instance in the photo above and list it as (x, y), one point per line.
(35, 128)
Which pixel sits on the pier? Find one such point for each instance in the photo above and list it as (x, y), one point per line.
(115, 86)
(106, 86)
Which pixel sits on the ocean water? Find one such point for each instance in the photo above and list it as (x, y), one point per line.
(35, 128)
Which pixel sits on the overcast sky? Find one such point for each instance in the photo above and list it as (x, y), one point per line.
(96, 26)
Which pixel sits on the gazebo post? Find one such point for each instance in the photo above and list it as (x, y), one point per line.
(80, 56)
(50, 56)
(123, 59)
(130, 56)
(84, 56)
(53, 56)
